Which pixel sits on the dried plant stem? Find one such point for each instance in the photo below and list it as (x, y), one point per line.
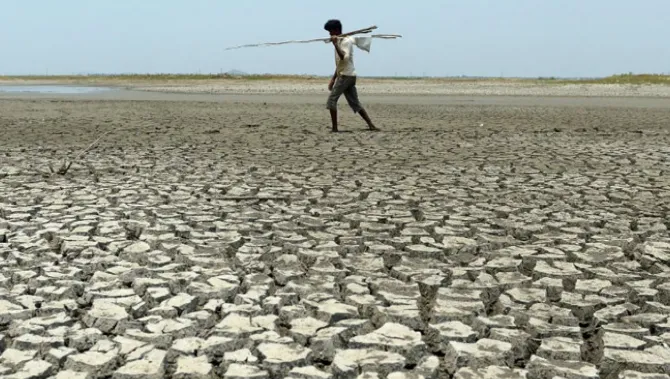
(66, 166)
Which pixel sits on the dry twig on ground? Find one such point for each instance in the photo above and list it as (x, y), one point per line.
(65, 167)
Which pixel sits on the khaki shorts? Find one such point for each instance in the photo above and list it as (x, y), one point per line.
(344, 85)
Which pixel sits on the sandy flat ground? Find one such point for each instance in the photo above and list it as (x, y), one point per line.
(212, 235)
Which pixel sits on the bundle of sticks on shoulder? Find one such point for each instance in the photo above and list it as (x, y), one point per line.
(362, 42)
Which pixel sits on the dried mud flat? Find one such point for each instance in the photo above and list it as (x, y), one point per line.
(242, 240)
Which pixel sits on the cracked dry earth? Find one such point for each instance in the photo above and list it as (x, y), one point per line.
(229, 240)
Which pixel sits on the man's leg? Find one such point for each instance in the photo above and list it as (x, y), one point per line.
(352, 98)
(366, 118)
(333, 119)
(335, 94)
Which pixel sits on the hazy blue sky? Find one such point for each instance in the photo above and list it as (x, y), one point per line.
(441, 37)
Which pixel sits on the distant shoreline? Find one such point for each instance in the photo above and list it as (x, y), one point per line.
(110, 79)
(655, 86)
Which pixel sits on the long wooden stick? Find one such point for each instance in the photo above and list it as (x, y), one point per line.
(355, 32)
(360, 31)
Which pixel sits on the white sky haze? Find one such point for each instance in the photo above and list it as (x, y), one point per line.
(526, 38)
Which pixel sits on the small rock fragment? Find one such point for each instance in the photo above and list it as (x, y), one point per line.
(489, 372)
(393, 337)
(243, 371)
(189, 367)
(107, 317)
(543, 368)
(279, 359)
(71, 375)
(349, 363)
(308, 373)
(615, 361)
(96, 364)
(152, 365)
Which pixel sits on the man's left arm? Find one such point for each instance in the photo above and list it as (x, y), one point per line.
(342, 48)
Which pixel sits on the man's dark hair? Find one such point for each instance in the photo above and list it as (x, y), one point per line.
(333, 25)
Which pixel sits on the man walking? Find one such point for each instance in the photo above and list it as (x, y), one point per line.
(344, 79)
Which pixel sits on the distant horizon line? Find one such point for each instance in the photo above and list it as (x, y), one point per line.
(237, 73)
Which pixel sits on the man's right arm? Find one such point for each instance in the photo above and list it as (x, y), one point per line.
(332, 81)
